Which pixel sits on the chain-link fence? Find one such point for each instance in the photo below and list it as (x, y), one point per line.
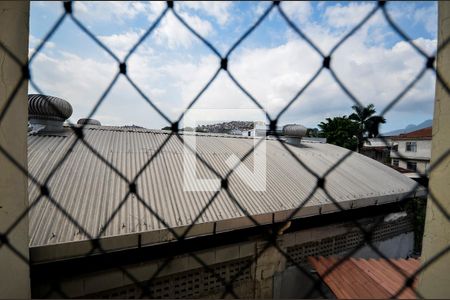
(146, 288)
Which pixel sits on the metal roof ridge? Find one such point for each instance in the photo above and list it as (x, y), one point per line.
(161, 131)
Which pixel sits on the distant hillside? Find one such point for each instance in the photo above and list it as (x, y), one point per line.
(226, 127)
(409, 128)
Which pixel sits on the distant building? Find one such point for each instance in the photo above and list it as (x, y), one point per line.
(232, 127)
(259, 129)
(251, 132)
(235, 132)
(378, 149)
(412, 150)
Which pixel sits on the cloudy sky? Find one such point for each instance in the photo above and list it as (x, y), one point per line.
(171, 66)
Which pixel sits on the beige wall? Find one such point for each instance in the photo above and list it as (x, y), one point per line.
(422, 165)
(422, 156)
(434, 280)
(14, 274)
(423, 150)
(262, 271)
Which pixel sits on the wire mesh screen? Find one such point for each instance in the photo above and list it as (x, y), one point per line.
(215, 277)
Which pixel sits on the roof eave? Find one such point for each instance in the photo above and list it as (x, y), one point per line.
(68, 250)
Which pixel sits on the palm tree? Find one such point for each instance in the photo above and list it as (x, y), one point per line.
(368, 123)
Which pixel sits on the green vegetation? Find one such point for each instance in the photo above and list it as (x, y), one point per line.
(367, 123)
(351, 132)
(340, 131)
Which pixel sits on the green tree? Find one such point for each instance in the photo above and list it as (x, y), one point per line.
(367, 122)
(340, 131)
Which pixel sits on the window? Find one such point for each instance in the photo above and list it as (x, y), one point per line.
(395, 162)
(411, 147)
(411, 165)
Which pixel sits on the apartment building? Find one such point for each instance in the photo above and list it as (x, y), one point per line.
(412, 150)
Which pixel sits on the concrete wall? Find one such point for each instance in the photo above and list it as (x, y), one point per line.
(92, 283)
(434, 280)
(400, 246)
(293, 283)
(422, 166)
(421, 157)
(268, 276)
(14, 274)
(423, 149)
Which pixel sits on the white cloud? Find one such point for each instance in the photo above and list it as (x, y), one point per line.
(220, 10)
(117, 11)
(34, 42)
(347, 15)
(374, 74)
(109, 119)
(297, 10)
(373, 71)
(428, 17)
(155, 9)
(377, 74)
(173, 33)
(414, 14)
(260, 7)
(272, 88)
(170, 32)
(79, 80)
(82, 81)
(120, 44)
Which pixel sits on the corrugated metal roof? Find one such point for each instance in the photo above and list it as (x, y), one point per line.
(90, 191)
(367, 278)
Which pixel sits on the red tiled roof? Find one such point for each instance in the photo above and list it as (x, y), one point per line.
(425, 133)
(366, 278)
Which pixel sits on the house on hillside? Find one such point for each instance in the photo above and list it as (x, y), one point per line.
(412, 150)
(235, 132)
(126, 217)
(260, 129)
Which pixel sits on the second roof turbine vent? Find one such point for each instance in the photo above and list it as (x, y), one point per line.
(294, 133)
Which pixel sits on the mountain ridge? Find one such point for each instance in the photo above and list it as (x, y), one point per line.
(410, 128)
